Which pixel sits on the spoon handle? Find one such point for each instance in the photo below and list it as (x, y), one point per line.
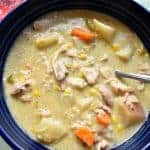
(140, 77)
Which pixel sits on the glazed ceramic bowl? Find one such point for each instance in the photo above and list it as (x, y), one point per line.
(127, 11)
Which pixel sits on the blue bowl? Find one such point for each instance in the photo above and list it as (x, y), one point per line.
(126, 11)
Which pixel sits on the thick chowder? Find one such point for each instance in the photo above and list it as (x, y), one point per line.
(60, 84)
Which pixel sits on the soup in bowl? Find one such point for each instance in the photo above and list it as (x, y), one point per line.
(60, 85)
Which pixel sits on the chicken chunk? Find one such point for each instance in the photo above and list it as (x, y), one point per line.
(21, 87)
(50, 130)
(106, 72)
(106, 93)
(118, 87)
(56, 65)
(60, 68)
(90, 74)
(76, 82)
(102, 145)
(130, 98)
(41, 25)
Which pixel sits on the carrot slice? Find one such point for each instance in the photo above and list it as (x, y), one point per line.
(103, 119)
(83, 34)
(86, 135)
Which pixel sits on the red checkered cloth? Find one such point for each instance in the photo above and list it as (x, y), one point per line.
(7, 5)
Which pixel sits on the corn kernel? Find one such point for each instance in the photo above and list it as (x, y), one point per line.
(114, 119)
(82, 56)
(80, 74)
(36, 93)
(68, 91)
(21, 78)
(119, 127)
(115, 47)
(93, 92)
(56, 87)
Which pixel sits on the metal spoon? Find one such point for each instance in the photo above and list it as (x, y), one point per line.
(140, 77)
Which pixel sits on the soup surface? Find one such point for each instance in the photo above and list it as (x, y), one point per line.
(60, 86)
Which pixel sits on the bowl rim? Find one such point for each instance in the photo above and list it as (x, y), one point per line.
(3, 133)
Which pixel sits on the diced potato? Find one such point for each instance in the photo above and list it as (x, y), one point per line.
(46, 41)
(120, 40)
(106, 31)
(131, 115)
(50, 130)
(84, 102)
(125, 53)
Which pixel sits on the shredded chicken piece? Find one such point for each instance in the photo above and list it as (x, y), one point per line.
(60, 70)
(102, 145)
(99, 111)
(118, 87)
(106, 109)
(106, 93)
(102, 110)
(62, 49)
(76, 82)
(90, 74)
(59, 67)
(41, 25)
(21, 87)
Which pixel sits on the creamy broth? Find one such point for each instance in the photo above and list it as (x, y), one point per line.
(60, 86)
